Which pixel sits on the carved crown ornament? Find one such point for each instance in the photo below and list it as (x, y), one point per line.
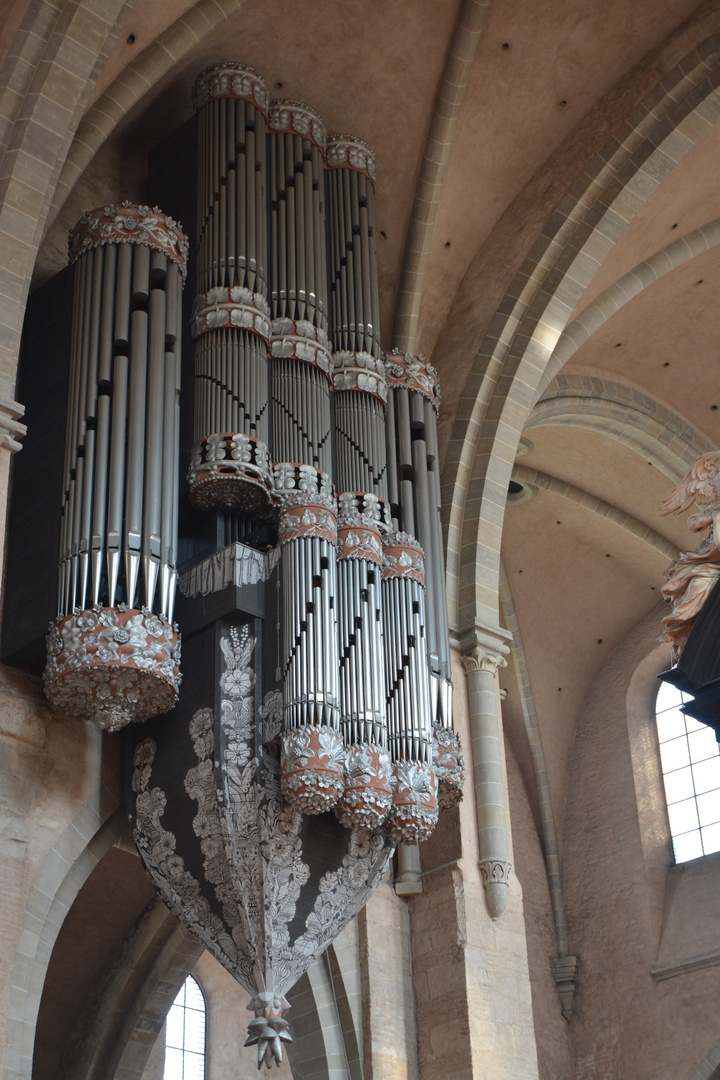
(130, 223)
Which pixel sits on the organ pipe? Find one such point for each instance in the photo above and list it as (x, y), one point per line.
(113, 652)
(230, 464)
(414, 485)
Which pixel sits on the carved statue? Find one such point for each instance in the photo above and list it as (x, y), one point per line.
(690, 579)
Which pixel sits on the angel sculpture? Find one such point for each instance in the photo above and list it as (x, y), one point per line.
(689, 580)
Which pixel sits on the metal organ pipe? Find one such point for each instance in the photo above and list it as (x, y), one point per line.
(312, 773)
(412, 448)
(113, 653)
(360, 474)
(230, 465)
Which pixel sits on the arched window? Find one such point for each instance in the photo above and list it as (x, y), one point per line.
(185, 1034)
(691, 772)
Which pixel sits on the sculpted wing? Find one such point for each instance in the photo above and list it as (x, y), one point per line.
(700, 484)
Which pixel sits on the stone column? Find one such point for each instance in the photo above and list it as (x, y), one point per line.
(11, 430)
(484, 650)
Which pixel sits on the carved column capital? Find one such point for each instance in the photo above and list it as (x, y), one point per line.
(495, 871)
(496, 880)
(11, 430)
(484, 648)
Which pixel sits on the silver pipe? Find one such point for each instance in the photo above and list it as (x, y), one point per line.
(135, 452)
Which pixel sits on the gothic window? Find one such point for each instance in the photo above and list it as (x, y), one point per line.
(691, 772)
(185, 1034)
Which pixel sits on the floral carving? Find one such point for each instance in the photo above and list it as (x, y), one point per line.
(300, 340)
(231, 306)
(449, 766)
(310, 519)
(413, 373)
(312, 768)
(255, 878)
(403, 557)
(231, 470)
(230, 79)
(349, 152)
(113, 665)
(360, 371)
(130, 224)
(367, 797)
(285, 114)
(414, 811)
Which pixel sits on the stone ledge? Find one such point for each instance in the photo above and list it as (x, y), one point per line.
(682, 967)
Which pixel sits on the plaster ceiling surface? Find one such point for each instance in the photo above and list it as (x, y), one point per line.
(578, 588)
(688, 198)
(521, 102)
(607, 469)
(669, 339)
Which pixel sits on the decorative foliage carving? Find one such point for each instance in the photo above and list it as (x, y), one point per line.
(231, 470)
(367, 797)
(414, 811)
(298, 339)
(403, 557)
(307, 519)
(229, 78)
(495, 872)
(254, 909)
(349, 152)
(691, 578)
(130, 224)
(312, 768)
(228, 306)
(360, 371)
(414, 373)
(113, 665)
(297, 118)
(449, 766)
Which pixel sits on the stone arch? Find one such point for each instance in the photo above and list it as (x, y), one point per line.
(325, 1023)
(481, 514)
(48, 77)
(522, 352)
(709, 1067)
(640, 422)
(62, 873)
(134, 82)
(598, 506)
(116, 1036)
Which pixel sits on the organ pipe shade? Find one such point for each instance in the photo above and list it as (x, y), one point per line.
(353, 259)
(414, 488)
(409, 717)
(301, 363)
(312, 746)
(230, 465)
(114, 641)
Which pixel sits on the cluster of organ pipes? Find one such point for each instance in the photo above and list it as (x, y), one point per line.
(113, 653)
(299, 419)
(366, 679)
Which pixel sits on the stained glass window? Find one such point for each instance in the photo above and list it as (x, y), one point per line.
(691, 771)
(185, 1035)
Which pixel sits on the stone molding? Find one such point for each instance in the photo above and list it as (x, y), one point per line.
(483, 648)
(495, 871)
(564, 972)
(11, 430)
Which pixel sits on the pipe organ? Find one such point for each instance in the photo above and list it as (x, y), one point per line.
(113, 653)
(335, 690)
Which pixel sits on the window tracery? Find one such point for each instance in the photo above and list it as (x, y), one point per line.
(691, 773)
